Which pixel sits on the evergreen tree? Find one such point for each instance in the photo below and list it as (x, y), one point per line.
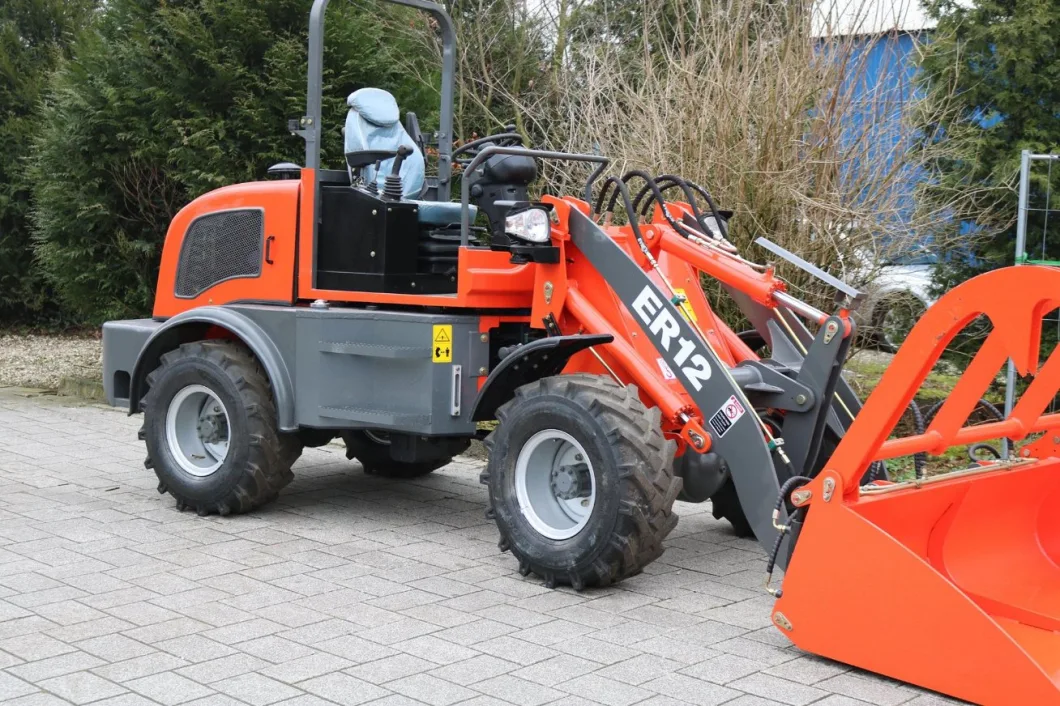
(166, 100)
(1001, 59)
(34, 37)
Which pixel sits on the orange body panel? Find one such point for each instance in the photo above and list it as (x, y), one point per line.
(951, 584)
(279, 201)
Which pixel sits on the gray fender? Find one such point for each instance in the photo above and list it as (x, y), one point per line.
(527, 363)
(192, 326)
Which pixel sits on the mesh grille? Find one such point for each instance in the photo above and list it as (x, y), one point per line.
(220, 246)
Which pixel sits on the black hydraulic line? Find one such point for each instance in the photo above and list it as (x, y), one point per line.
(706, 197)
(722, 225)
(789, 485)
(604, 192)
(663, 184)
(989, 408)
(975, 448)
(919, 459)
(650, 184)
(623, 191)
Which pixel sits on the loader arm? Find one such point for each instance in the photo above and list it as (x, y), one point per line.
(721, 409)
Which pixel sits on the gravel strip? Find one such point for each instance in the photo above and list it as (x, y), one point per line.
(42, 361)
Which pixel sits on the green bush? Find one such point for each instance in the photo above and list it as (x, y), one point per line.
(167, 100)
(34, 35)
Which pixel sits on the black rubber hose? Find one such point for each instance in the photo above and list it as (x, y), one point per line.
(919, 459)
(688, 188)
(990, 409)
(722, 225)
(623, 191)
(608, 182)
(789, 485)
(667, 182)
(649, 183)
(982, 447)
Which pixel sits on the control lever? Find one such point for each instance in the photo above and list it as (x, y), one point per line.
(393, 188)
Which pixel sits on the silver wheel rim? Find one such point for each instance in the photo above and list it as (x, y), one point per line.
(545, 460)
(197, 430)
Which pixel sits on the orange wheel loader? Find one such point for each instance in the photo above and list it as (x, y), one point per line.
(363, 303)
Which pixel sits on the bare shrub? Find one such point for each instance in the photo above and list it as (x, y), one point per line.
(812, 137)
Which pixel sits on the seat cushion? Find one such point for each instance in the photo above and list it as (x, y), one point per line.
(441, 213)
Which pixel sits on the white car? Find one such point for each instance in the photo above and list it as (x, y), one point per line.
(896, 298)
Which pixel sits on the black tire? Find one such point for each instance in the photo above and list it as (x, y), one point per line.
(375, 459)
(725, 505)
(258, 461)
(893, 318)
(631, 464)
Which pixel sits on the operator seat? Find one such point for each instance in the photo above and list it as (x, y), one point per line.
(373, 123)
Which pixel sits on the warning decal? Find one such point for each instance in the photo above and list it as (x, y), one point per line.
(442, 343)
(725, 417)
(667, 373)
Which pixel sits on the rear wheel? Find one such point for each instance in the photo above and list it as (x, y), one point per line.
(210, 429)
(581, 480)
(372, 449)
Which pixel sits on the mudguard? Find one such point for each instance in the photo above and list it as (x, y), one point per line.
(533, 361)
(192, 326)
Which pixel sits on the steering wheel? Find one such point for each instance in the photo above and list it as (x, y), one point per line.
(470, 149)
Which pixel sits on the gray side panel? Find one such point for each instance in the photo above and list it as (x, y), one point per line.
(122, 343)
(741, 444)
(355, 368)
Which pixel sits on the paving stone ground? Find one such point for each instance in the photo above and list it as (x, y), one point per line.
(353, 590)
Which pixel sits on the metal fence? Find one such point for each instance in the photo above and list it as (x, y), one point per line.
(1033, 223)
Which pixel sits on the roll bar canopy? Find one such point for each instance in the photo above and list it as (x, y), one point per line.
(311, 123)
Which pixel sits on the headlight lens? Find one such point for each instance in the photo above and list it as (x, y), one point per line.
(531, 225)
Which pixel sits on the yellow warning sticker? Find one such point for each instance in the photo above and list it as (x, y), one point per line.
(686, 309)
(443, 344)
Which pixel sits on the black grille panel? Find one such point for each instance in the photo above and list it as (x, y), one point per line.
(218, 247)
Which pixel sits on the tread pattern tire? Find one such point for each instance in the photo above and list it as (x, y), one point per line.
(637, 455)
(725, 505)
(376, 461)
(264, 468)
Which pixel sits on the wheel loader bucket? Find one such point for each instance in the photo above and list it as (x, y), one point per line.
(951, 582)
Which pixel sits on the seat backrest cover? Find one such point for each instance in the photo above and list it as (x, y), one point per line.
(373, 124)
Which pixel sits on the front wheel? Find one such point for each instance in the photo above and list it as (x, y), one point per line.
(581, 480)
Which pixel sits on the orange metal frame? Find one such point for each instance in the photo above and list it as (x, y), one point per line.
(580, 300)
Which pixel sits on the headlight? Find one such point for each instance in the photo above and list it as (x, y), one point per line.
(531, 225)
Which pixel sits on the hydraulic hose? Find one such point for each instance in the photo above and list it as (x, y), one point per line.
(789, 485)
(986, 406)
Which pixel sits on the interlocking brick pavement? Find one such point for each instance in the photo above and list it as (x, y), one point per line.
(353, 590)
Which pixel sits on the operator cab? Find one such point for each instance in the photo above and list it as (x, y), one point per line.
(384, 227)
